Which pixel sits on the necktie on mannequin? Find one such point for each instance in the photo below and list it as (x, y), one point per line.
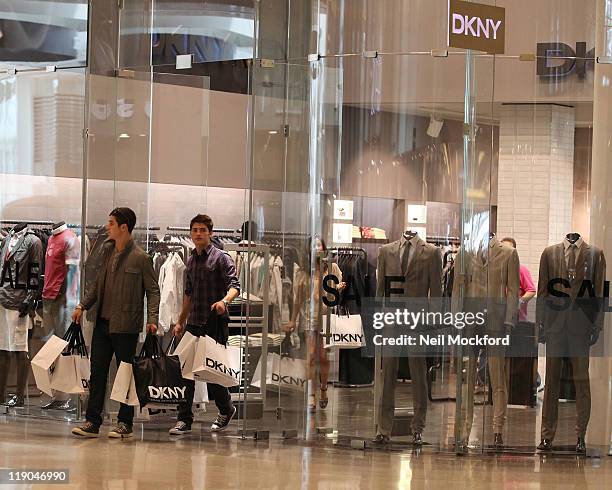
(482, 255)
(405, 257)
(571, 262)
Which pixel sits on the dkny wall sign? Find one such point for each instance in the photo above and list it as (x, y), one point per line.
(476, 26)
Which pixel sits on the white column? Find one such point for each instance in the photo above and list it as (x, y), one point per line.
(600, 425)
(536, 174)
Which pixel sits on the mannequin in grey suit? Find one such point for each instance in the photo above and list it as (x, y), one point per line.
(422, 270)
(491, 280)
(570, 325)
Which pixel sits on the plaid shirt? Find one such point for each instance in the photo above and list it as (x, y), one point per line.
(209, 277)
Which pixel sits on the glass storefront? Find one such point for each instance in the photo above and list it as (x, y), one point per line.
(352, 164)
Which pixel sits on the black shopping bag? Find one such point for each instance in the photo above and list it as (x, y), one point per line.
(158, 376)
(217, 327)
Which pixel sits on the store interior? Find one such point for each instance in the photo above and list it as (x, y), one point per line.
(354, 148)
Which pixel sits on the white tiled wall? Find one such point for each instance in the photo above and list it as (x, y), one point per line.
(536, 160)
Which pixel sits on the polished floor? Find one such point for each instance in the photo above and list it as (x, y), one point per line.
(204, 460)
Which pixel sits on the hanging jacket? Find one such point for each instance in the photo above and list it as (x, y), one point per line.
(17, 290)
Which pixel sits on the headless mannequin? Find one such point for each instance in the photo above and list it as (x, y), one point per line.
(59, 227)
(59, 400)
(22, 365)
(20, 360)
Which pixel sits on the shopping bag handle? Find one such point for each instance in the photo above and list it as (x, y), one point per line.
(76, 341)
(69, 334)
(340, 308)
(171, 346)
(77, 345)
(150, 347)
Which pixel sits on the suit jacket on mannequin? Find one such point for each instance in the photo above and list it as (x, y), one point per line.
(27, 253)
(571, 324)
(423, 281)
(424, 275)
(493, 285)
(490, 281)
(573, 315)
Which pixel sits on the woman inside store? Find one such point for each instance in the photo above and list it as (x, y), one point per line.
(313, 314)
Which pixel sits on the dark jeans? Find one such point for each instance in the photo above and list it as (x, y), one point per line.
(221, 394)
(103, 346)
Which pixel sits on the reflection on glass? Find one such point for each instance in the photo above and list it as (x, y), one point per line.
(43, 33)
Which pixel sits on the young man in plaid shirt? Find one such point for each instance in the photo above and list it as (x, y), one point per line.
(211, 284)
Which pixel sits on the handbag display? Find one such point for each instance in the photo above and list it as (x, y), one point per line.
(157, 376)
(346, 331)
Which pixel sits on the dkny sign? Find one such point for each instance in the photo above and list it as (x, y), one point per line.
(558, 60)
(476, 26)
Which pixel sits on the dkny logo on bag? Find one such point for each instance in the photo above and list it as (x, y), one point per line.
(167, 392)
(288, 380)
(219, 366)
(347, 338)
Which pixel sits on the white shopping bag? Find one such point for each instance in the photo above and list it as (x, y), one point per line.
(201, 393)
(124, 387)
(43, 363)
(217, 364)
(282, 372)
(185, 351)
(71, 374)
(346, 332)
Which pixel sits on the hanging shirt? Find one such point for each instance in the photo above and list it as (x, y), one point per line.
(171, 280)
(62, 250)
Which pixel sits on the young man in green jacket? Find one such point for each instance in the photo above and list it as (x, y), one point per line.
(125, 276)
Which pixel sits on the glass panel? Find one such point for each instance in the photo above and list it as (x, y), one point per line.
(477, 267)
(44, 33)
(545, 120)
(351, 27)
(41, 155)
(157, 32)
(279, 181)
(387, 142)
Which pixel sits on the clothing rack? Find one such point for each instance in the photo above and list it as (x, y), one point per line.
(253, 322)
(285, 233)
(443, 240)
(350, 250)
(186, 228)
(32, 223)
(138, 228)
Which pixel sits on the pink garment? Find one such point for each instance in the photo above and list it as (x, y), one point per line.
(62, 249)
(526, 285)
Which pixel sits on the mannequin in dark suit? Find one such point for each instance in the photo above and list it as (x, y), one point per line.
(570, 314)
(421, 265)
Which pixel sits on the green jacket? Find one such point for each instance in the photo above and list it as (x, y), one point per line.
(133, 278)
